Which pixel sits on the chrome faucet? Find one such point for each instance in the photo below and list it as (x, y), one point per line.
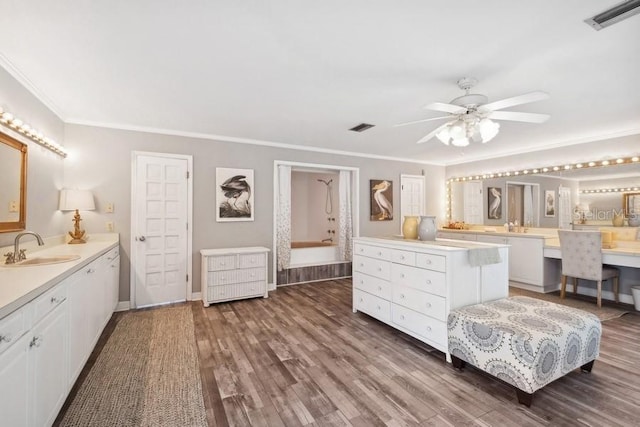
(18, 254)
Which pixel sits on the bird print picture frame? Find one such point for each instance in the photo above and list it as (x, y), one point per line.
(234, 195)
(381, 191)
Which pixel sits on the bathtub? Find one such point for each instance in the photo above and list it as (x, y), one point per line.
(313, 253)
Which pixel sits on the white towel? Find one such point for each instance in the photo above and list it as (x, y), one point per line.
(484, 256)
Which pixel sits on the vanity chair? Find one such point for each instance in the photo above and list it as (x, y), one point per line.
(582, 259)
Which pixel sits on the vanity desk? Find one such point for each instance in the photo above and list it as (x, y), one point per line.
(412, 285)
(51, 316)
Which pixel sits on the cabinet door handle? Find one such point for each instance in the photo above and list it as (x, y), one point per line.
(55, 300)
(91, 271)
(35, 342)
(6, 338)
(428, 261)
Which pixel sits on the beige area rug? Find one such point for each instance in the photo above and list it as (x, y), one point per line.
(146, 375)
(603, 313)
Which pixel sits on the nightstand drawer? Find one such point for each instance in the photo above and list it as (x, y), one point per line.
(221, 262)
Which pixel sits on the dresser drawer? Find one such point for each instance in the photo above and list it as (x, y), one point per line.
(372, 267)
(424, 326)
(48, 301)
(422, 302)
(425, 280)
(13, 327)
(372, 305)
(226, 277)
(251, 260)
(432, 262)
(373, 285)
(373, 252)
(236, 290)
(221, 262)
(403, 257)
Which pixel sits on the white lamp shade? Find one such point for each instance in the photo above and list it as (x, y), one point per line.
(488, 129)
(460, 142)
(443, 135)
(71, 200)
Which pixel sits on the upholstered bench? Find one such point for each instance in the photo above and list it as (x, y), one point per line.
(523, 341)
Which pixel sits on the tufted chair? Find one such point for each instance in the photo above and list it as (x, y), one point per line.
(582, 259)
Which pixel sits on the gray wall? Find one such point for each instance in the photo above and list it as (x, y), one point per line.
(101, 162)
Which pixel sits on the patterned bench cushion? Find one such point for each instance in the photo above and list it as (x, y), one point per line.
(524, 341)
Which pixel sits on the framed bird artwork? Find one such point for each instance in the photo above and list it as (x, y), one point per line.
(381, 191)
(234, 195)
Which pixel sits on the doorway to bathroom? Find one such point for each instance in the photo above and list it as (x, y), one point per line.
(315, 217)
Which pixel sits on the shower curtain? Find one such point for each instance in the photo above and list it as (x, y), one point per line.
(283, 222)
(345, 230)
(528, 207)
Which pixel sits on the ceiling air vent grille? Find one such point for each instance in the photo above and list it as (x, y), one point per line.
(361, 127)
(615, 14)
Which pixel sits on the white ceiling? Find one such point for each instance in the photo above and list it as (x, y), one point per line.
(304, 72)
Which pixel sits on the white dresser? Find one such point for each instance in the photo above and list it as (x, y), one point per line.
(233, 273)
(412, 285)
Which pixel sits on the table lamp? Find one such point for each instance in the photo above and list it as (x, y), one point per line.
(78, 200)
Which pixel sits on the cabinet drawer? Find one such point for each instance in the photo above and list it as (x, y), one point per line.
(403, 257)
(13, 327)
(372, 267)
(112, 254)
(422, 302)
(425, 280)
(251, 260)
(227, 277)
(236, 290)
(424, 326)
(432, 262)
(221, 262)
(48, 301)
(373, 251)
(373, 285)
(372, 305)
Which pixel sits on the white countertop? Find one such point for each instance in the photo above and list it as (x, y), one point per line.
(439, 244)
(19, 285)
(534, 234)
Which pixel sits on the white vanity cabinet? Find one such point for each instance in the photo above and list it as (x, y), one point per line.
(413, 285)
(455, 235)
(233, 273)
(46, 341)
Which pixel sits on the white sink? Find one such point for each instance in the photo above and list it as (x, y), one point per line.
(44, 260)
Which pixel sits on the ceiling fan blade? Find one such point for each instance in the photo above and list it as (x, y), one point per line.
(516, 100)
(421, 121)
(518, 116)
(432, 133)
(447, 108)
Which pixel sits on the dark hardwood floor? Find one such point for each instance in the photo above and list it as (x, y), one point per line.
(301, 357)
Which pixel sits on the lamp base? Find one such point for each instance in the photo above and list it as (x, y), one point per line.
(77, 236)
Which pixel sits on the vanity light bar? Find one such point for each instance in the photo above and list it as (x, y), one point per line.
(609, 190)
(9, 120)
(584, 165)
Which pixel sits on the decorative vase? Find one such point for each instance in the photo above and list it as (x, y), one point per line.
(618, 219)
(634, 220)
(410, 227)
(427, 228)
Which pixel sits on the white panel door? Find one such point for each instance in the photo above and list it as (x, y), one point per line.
(411, 196)
(473, 202)
(160, 230)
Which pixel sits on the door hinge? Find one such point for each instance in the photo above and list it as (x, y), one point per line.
(187, 277)
(187, 226)
(188, 174)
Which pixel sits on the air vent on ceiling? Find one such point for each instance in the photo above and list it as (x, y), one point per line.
(615, 14)
(361, 127)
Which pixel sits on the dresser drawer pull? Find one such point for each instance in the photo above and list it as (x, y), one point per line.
(402, 317)
(361, 282)
(402, 275)
(428, 328)
(401, 256)
(361, 249)
(428, 281)
(401, 296)
(380, 288)
(428, 305)
(253, 274)
(379, 308)
(379, 253)
(379, 268)
(6, 338)
(361, 300)
(362, 264)
(428, 261)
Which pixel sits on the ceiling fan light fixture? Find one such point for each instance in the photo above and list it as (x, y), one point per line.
(460, 142)
(457, 130)
(488, 129)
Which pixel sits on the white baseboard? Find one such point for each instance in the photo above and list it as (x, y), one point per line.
(271, 287)
(123, 306)
(196, 296)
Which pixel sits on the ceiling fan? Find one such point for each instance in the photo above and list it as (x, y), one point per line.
(472, 115)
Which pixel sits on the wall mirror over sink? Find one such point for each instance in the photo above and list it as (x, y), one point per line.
(631, 204)
(13, 184)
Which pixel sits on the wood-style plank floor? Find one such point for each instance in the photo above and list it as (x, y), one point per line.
(301, 357)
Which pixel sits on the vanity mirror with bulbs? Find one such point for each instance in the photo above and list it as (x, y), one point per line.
(590, 191)
(13, 184)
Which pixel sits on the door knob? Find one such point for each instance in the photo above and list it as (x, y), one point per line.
(142, 238)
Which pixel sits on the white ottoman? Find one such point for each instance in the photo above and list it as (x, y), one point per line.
(524, 341)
